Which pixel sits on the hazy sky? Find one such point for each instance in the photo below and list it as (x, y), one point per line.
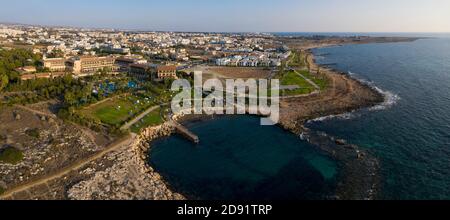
(236, 15)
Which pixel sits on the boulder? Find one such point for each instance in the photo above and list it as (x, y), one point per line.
(351, 147)
(341, 142)
(51, 120)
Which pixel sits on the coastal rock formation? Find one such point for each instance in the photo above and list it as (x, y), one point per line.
(45, 150)
(129, 178)
(359, 171)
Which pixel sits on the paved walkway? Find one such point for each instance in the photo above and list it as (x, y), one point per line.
(308, 80)
(139, 117)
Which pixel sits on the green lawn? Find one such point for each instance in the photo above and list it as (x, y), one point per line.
(119, 110)
(152, 119)
(319, 80)
(11, 155)
(291, 78)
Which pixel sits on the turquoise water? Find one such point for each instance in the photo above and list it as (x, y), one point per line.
(411, 134)
(239, 159)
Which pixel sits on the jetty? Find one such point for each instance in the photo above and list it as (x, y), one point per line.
(185, 132)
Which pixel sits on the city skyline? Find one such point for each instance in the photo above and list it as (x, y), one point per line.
(235, 16)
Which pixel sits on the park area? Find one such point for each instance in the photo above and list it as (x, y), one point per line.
(152, 119)
(118, 110)
(291, 78)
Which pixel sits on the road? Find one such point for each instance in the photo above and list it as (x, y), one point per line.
(126, 141)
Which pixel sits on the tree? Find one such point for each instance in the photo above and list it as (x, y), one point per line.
(69, 98)
(3, 81)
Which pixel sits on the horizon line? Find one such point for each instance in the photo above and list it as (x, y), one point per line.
(182, 31)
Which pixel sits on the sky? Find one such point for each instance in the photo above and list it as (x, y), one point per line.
(235, 15)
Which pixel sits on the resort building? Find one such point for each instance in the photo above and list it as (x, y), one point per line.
(153, 72)
(89, 64)
(124, 62)
(140, 71)
(165, 72)
(55, 64)
(26, 69)
(25, 77)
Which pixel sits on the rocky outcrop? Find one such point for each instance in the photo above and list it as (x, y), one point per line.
(130, 177)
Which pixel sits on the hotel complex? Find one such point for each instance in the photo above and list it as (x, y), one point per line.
(89, 64)
(55, 64)
(153, 72)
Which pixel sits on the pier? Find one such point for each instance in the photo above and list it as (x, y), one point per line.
(185, 132)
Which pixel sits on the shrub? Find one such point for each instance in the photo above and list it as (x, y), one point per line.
(11, 155)
(33, 132)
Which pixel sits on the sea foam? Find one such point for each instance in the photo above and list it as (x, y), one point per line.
(390, 99)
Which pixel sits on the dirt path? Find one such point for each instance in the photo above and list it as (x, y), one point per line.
(115, 146)
(35, 111)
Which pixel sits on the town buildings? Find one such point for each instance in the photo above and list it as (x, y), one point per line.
(85, 52)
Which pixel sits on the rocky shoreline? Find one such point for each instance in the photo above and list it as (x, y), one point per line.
(359, 179)
(130, 177)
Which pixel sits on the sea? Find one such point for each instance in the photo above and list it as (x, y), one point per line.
(409, 134)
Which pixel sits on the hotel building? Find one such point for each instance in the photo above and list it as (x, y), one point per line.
(55, 64)
(165, 72)
(155, 73)
(89, 64)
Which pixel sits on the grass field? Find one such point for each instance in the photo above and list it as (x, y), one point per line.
(117, 111)
(322, 82)
(292, 78)
(152, 119)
